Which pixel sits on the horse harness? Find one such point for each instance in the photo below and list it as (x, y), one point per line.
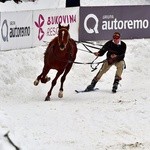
(69, 52)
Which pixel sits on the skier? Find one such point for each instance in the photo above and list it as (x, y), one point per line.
(116, 50)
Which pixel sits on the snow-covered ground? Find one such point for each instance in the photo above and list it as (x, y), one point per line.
(96, 120)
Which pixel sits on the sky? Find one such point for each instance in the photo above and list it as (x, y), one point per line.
(96, 120)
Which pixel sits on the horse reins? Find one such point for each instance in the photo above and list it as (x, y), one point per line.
(84, 63)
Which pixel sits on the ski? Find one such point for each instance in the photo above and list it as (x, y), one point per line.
(82, 91)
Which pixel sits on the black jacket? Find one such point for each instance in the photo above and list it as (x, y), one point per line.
(111, 48)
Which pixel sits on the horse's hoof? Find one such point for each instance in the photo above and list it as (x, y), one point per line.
(47, 98)
(45, 80)
(60, 94)
(36, 82)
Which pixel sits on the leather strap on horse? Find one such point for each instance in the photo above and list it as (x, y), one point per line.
(84, 63)
(89, 63)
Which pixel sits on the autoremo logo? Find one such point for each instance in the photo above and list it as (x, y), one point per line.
(4, 31)
(39, 25)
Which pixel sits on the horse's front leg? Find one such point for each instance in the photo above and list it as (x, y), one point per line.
(53, 84)
(42, 76)
(60, 94)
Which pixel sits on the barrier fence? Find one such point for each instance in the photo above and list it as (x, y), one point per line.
(25, 29)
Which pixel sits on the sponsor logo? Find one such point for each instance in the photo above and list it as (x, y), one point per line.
(61, 19)
(13, 32)
(47, 26)
(39, 25)
(93, 27)
(110, 22)
(52, 30)
(19, 32)
(4, 31)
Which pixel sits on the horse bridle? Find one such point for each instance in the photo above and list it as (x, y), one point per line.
(67, 37)
(69, 54)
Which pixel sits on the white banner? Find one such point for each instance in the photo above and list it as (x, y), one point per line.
(16, 30)
(45, 23)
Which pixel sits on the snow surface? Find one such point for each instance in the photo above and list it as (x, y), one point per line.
(90, 121)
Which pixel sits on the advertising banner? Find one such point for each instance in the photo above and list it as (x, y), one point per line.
(16, 30)
(99, 23)
(45, 23)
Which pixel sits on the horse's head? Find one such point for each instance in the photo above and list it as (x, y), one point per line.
(63, 36)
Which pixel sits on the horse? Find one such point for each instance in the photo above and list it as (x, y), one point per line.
(60, 55)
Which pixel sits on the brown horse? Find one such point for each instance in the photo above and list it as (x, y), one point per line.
(60, 55)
